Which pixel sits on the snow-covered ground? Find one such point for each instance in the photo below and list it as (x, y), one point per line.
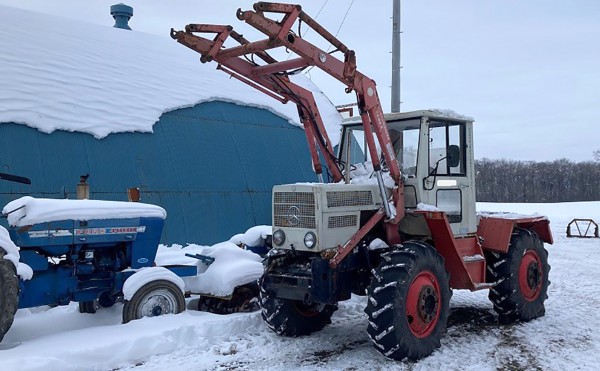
(567, 338)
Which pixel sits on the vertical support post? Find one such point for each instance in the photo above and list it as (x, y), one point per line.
(396, 61)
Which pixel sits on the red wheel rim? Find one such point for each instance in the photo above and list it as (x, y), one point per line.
(530, 275)
(423, 304)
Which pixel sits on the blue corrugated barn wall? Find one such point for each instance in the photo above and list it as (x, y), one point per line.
(212, 167)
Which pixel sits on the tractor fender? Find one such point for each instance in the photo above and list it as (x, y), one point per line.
(149, 274)
(494, 232)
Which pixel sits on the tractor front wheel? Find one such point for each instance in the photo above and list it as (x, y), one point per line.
(9, 293)
(293, 317)
(521, 277)
(154, 299)
(408, 302)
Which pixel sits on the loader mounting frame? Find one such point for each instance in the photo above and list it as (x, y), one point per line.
(273, 79)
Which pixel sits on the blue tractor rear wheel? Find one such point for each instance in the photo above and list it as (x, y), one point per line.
(9, 293)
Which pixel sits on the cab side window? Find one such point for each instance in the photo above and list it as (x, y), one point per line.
(444, 139)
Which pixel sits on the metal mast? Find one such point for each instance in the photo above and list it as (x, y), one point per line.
(396, 93)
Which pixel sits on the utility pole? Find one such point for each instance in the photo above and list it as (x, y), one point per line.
(396, 31)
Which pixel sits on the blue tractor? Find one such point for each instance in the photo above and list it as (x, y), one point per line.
(91, 252)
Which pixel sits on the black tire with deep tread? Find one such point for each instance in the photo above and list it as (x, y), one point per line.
(9, 293)
(389, 328)
(130, 307)
(293, 318)
(508, 300)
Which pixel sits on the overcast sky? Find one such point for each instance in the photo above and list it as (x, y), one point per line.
(527, 71)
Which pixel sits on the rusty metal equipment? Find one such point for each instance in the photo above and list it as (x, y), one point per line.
(586, 228)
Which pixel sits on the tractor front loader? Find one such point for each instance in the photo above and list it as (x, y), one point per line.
(397, 223)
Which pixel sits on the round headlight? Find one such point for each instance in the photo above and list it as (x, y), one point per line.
(278, 237)
(310, 240)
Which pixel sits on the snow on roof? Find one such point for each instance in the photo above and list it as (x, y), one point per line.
(28, 210)
(509, 215)
(433, 113)
(60, 74)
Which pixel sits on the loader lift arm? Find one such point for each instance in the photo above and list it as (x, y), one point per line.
(273, 78)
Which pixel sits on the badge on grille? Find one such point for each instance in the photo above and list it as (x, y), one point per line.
(292, 216)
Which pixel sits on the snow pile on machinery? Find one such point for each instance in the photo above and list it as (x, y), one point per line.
(100, 252)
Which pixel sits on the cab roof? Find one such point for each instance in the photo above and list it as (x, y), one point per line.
(431, 113)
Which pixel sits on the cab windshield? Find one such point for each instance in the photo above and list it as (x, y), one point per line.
(405, 140)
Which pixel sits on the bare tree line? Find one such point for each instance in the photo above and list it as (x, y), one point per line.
(527, 181)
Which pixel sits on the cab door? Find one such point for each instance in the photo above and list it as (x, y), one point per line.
(449, 183)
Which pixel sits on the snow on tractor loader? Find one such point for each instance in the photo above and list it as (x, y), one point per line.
(405, 234)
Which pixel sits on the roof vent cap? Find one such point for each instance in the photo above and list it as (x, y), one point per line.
(121, 13)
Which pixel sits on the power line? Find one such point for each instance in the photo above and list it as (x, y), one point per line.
(338, 30)
(308, 28)
(343, 20)
(316, 16)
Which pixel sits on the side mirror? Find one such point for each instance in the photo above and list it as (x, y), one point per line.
(453, 155)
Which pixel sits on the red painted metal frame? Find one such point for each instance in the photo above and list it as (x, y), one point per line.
(463, 275)
(272, 79)
(495, 232)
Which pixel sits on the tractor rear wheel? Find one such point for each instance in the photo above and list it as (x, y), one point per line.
(154, 299)
(522, 278)
(9, 293)
(408, 303)
(293, 317)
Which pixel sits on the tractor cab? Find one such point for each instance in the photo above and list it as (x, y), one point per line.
(434, 150)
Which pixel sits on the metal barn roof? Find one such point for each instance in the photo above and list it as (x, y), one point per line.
(138, 110)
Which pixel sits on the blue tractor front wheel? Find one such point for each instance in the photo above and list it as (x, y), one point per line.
(154, 299)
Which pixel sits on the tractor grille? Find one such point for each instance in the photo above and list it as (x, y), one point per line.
(294, 209)
(349, 198)
(341, 221)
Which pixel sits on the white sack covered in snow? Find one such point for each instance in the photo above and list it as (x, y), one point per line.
(232, 267)
(63, 74)
(38, 210)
